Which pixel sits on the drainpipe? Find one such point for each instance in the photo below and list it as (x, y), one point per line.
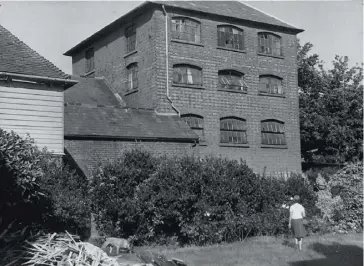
(167, 70)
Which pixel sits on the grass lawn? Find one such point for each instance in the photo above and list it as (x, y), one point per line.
(329, 250)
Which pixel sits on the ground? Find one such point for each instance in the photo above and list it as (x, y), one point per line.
(328, 250)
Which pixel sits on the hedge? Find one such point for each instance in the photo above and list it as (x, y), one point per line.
(191, 200)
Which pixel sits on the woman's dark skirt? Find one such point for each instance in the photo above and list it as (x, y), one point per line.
(298, 228)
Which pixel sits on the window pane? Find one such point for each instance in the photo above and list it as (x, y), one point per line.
(186, 29)
(230, 37)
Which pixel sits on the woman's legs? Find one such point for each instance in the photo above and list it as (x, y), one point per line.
(300, 243)
(296, 241)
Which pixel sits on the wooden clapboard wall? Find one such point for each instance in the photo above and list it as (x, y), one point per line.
(34, 109)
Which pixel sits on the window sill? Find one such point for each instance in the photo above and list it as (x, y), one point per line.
(233, 91)
(270, 55)
(272, 95)
(270, 146)
(234, 145)
(231, 49)
(130, 53)
(131, 92)
(88, 73)
(198, 87)
(187, 42)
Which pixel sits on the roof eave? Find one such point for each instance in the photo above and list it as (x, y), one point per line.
(66, 82)
(110, 26)
(130, 138)
(102, 31)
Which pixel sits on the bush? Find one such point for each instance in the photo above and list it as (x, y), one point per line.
(191, 200)
(21, 198)
(36, 190)
(67, 194)
(341, 200)
(112, 192)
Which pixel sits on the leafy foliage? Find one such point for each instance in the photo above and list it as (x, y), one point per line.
(341, 202)
(37, 191)
(112, 192)
(191, 200)
(331, 109)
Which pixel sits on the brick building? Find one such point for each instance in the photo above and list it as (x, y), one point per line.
(227, 69)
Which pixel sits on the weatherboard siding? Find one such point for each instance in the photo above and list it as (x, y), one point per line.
(26, 109)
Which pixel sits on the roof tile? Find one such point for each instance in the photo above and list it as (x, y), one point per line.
(17, 57)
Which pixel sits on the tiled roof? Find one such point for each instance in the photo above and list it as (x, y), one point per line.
(234, 9)
(17, 57)
(123, 123)
(90, 91)
(92, 110)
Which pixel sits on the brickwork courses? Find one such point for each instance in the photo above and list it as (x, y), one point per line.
(208, 101)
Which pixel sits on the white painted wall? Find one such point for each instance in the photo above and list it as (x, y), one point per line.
(39, 112)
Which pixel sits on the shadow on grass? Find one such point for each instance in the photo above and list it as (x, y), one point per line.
(335, 254)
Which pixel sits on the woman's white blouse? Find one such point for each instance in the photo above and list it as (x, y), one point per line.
(297, 211)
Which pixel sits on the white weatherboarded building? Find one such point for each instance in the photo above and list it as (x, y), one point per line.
(31, 94)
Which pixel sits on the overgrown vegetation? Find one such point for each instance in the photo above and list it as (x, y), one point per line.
(37, 192)
(191, 200)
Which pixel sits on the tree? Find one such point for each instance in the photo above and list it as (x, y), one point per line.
(331, 108)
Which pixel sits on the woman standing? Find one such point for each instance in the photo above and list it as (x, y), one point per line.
(296, 215)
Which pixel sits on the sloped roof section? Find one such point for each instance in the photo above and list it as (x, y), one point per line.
(231, 9)
(234, 9)
(91, 91)
(17, 57)
(83, 121)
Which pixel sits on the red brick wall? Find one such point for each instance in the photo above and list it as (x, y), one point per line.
(88, 153)
(209, 102)
(213, 104)
(111, 60)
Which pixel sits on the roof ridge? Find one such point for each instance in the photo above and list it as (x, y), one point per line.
(44, 60)
(266, 13)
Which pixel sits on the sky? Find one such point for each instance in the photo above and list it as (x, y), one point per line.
(52, 28)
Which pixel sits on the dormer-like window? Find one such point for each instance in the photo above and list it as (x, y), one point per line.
(232, 80)
(187, 74)
(271, 85)
(90, 60)
(132, 76)
(130, 35)
(270, 44)
(186, 29)
(230, 37)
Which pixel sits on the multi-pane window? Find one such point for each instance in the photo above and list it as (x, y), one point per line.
(270, 44)
(132, 77)
(232, 80)
(230, 37)
(273, 132)
(90, 62)
(270, 84)
(195, 122)
(186, 29)
(233, 130)
(186, 74)
(130, 35)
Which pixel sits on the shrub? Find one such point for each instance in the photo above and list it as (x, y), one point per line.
(67, 194)
(112, 192)
(191, 200)
(20, 195)
(341, 200)
(36, 190)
